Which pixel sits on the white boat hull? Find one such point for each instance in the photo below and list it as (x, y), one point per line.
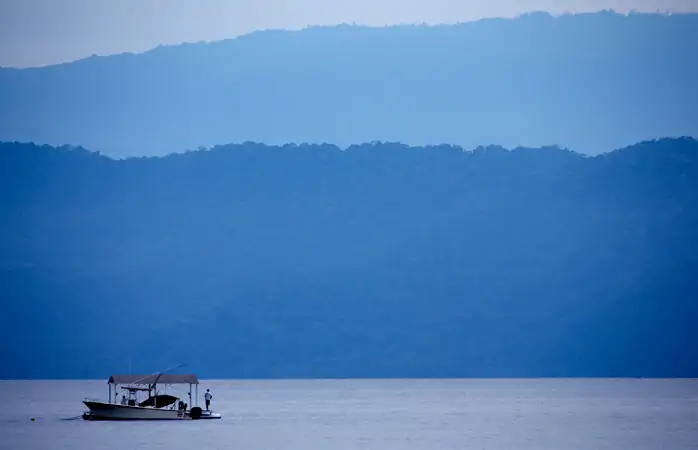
(111, 411)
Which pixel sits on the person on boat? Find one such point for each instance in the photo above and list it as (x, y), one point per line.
(123, 399)
(208, 397)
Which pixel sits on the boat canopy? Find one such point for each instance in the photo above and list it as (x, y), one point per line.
(165, 378)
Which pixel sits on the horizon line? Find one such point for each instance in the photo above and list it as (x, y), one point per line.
(338, 378)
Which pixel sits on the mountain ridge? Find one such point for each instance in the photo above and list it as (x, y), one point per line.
(231, 146)
(540, 15)
(586, 82)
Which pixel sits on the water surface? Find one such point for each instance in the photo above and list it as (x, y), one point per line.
(544, 414)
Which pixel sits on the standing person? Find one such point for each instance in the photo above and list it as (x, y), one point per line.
(123, 399)
(208, 397)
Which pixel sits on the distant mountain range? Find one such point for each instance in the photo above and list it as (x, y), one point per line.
(379, 260)
(588, 82)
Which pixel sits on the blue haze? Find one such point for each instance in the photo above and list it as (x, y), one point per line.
(379, 260)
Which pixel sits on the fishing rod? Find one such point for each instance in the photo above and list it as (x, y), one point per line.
(159, 374)
(155, 382)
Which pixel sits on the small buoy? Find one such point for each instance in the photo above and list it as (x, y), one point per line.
(33, 419)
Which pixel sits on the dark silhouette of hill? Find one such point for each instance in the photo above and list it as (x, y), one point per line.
(380, 260)
(589, 82)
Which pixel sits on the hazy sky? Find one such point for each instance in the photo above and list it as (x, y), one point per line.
(39, 32)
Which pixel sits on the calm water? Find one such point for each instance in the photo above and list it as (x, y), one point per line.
(374, 414)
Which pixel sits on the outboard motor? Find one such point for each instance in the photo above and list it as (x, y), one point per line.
(195, 413)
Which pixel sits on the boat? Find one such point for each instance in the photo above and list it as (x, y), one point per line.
(156, 406)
